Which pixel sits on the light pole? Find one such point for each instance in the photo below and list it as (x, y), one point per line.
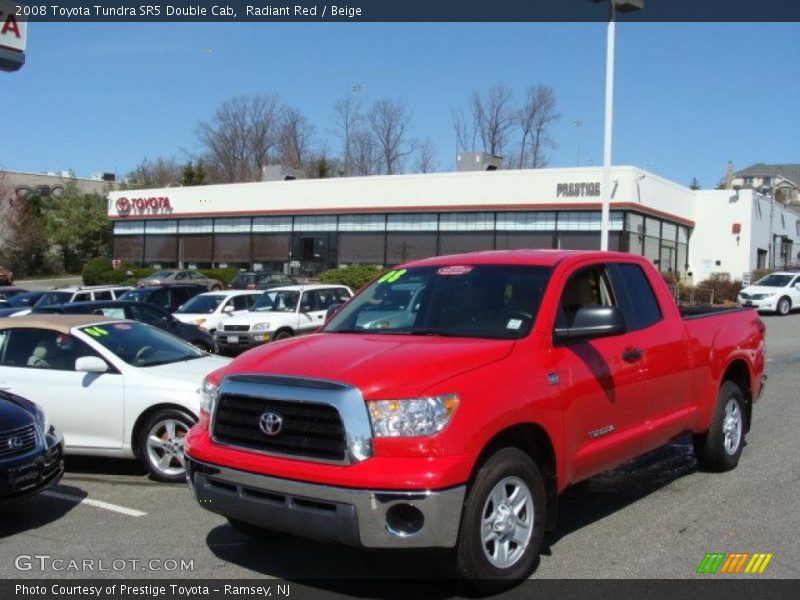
(578, 123)
(622, 6)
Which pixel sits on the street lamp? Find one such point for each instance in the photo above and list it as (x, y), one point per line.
(623, 6)
(578, 123)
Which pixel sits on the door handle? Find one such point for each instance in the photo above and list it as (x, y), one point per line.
(319, 316)
(631, 355)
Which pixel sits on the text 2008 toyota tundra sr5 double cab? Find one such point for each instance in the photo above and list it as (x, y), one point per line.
(451, 401)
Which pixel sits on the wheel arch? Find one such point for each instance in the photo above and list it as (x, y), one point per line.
(149, 412)
(738, 371)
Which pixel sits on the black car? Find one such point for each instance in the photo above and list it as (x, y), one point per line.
(20, 302)
(169, 297)
(260, 280)
(137, 311)
(31, 450)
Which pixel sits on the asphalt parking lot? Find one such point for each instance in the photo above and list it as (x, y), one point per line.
(656, 517)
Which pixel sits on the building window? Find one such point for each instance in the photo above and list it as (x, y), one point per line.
(635, 223)
(128, 227)
(514, 240)
(361, 248)
(196, 226)
(527, 221)
(460, 242)
(272, 224)
(362, 223)
(129, 248)
(466, 222)
(271, 248)
(669, 231)
(412, 222)
(232, 225)
(168, 226)
(232, 249)
(401, 247)
(315, 223)
(160, 249)
(761, 259)
(652, 227)
(588, 221)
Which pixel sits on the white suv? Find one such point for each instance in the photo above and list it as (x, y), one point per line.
(210, 310)
(777, 292)
(75, 293)
(280, 313)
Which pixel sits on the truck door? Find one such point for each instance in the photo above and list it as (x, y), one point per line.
(600, 380)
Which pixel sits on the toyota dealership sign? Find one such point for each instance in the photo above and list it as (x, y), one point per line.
(13, 35)
(152, 205)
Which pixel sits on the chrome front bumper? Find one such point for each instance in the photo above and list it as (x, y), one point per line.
(355, 517)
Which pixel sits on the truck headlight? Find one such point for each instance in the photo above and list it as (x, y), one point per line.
(261, 327)
(199, 323)
(412, 417)
(208, 396)
(41, 419)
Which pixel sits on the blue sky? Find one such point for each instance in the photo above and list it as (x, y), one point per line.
(689, 97)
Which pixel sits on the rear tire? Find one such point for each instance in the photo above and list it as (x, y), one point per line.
(784, 306)
(720, 448)
(502, 525)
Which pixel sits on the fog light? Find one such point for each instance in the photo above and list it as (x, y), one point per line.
(404, 520)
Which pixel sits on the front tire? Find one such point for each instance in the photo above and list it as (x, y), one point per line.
(283, 334)
(161, 444)
(503, 523)
(720, 448)
(784, 306)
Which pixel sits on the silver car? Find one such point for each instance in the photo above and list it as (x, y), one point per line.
(180, 276)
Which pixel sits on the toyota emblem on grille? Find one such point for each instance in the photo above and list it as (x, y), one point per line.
(15, 443)
(270, 423)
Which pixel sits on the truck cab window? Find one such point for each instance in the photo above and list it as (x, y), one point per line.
(587, 287)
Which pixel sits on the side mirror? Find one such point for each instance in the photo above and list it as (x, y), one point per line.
(228, 310)
(332, 310)
(591, 322)
(91, 364)
(797, 286)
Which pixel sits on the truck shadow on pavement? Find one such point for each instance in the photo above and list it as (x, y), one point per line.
(38, 511)
(355, 572)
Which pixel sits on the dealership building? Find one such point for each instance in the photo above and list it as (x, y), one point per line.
(305, 226)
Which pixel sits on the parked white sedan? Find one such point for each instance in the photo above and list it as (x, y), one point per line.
(777, 292)
(281, 313)
(113, 387)
(210, 310)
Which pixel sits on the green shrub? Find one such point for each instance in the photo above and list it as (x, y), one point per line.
(718, 288)
(224, 275)
(353, 277)
(97, 271)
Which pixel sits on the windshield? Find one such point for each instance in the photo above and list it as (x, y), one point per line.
(280, 301)
(202, 305)
(135, 295)
(54, 298)
(775, 280)
(485, 301)
(243, 279)
(141, 345)
(21, 300)
(159, 275)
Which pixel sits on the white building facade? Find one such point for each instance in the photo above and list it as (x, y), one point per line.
(306, 226)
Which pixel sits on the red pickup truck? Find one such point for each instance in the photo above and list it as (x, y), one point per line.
(453, 399)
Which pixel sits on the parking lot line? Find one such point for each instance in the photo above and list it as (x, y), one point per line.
(131, 512)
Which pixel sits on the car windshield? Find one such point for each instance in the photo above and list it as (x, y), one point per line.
(141, 345)
(159, 275)
(775, 280)
(201, 305)
(53, 298)
(21, 300)
(482, 301)
(277, 301)
(135, 295)
(242, 279)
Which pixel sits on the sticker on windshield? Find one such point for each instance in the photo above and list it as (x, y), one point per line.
(95, 331)
(392, 276)
(454, 270)
(123, 326)
(514, 324)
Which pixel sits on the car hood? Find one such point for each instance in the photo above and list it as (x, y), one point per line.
(15, 412)
(7, 312)
(762, 289)
(192, 371)
(252, 317)
(381, 366)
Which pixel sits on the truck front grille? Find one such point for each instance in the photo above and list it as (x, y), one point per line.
(238, 328)
(17, 441)
(307, 429)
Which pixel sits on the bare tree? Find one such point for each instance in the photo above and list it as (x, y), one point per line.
(295, 138)
(466, 133)
(240, 137)
(534, 119)
(348, 120)
(161, 172)
(493, 117)
(389, 122)
(366, 154)
(426, 157)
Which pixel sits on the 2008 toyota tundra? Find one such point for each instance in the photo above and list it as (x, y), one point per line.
(451, 401)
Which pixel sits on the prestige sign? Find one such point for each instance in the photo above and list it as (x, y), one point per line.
(13, 35)
(577, 190)
(154, 205)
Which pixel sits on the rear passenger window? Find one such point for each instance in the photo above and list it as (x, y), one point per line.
(85, 297)
(636, 296)
(103, 296)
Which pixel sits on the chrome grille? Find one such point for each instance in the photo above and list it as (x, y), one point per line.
(17, 441)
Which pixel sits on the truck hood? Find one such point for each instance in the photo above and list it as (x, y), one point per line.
(381, 366)
(761, 289)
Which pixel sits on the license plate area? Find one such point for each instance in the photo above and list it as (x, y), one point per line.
(24, 477)
(233, 339)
